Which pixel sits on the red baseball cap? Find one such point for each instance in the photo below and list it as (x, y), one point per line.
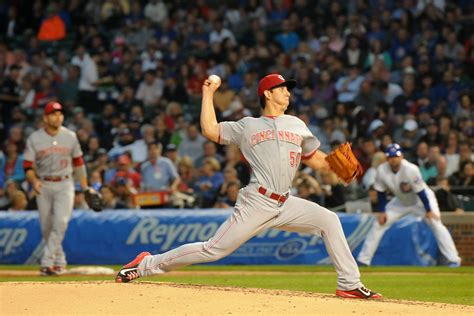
(272, 81)
(52, 107)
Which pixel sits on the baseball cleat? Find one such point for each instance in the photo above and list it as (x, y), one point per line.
(129, 271)
(454, 264)
(60, 269)
(362, 292)
(48, 271)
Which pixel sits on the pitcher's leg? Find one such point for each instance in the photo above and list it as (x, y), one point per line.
(299, 215)
(237, 229)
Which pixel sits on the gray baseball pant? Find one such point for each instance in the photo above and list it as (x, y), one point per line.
(254, 213)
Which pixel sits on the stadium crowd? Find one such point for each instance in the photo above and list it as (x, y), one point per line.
(129, 75)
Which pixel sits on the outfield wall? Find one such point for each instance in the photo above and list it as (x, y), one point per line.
(114, 237)
(461, 227)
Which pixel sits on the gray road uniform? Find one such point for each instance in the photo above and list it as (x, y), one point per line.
(54, 158)
(274, 147)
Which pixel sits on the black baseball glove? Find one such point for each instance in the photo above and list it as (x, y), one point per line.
(94, 200)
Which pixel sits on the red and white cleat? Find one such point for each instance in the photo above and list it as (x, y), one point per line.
(129, 271)
(362, 293)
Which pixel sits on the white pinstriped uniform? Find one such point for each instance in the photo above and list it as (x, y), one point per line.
(404, 185)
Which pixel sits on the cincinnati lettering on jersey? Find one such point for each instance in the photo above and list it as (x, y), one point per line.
(270, 134)
(54, 150)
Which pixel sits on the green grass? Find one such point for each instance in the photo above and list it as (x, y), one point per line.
(432, 284)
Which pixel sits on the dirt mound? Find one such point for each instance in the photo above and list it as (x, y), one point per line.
(146, 298)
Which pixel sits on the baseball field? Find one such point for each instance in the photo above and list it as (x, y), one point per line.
(238, 290)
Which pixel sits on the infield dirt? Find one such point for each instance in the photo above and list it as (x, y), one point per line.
(146, 298)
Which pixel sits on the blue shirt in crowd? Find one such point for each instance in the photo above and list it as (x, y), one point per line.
(158, 175)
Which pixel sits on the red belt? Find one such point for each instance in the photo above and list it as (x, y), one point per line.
(277, 197)
(54, 178)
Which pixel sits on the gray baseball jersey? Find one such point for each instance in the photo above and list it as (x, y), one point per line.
(54, 157)
(274, 147)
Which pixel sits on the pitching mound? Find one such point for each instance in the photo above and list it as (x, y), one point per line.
(146, 298)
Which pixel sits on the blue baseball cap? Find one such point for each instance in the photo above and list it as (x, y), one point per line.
(393, 150)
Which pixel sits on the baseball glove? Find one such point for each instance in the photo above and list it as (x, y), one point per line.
(94, 200)
(344, 163)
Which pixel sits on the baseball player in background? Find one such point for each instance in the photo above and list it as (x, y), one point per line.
(411, 196)
(51, 157)
(273, 144)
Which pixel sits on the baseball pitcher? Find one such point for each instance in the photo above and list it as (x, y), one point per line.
(273, 144)
(411, 195)
(52, 155)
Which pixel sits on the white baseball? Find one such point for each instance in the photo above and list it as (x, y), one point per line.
(215, 79)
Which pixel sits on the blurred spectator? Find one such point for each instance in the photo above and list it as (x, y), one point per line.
(219, 34)
(187, 174)
(156, 11)
(367, 153)
(192, 143)
(368, 179)
(89, 76)
(9, 92)
(126, 143)
(125, 173)
(465, 178)
(432, 136)
(368, 96)
(408, 136)
(95, 180)
(451, 153)
(10, 186)
(353, 54)
(348, 86)
(124, 191)
(52, 27)
(465, 108)
(110, 199)
(13, 164)
(80, 200)
(208, 184)
(333, 191)
(230, 197)
(18, 200)
(422, 154)
(150, 89)
(465, 153)
(308, 188)
(447, 201)
(209, 149)
(441, 170)
(324, 92)
(27, 95)
(234, 159)
(230, 176)
(287, 38)
(429, 170)
(171, 152)
(158, 173)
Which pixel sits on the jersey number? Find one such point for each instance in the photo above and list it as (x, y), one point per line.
(295, 158)
(63, 163)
